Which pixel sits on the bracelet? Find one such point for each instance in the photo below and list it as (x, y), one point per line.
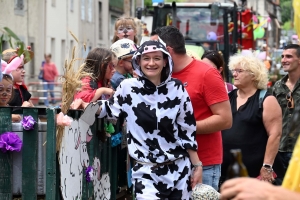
(199, 164)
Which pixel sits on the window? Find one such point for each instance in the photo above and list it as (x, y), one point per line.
(53, 48)
(19, 4)
(31, 63)
(90, 11)
(71, 47)
(63, 52)
(113, 19)
(71, 5)
(100, 21)
(82, 10)
(19, 7)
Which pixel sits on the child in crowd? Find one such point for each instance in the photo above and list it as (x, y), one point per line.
(125, 28)
(21, 94)
(6, 84)
(99, 64)
(123, 49)
(6, 90)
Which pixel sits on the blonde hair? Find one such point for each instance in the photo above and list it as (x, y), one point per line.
(125, 21)
(253, 64)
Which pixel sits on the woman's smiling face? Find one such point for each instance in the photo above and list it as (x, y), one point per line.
(152, 64)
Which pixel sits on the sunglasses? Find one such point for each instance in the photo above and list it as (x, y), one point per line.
(289, 98)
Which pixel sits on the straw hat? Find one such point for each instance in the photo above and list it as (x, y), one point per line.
(9, 52)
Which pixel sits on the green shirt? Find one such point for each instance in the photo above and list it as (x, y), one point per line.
(289, 131)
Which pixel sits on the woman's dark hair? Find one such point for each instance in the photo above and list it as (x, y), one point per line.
(165, 72)
(97, 62)
(216, 58)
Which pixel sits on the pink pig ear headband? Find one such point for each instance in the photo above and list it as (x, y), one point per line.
(12, 64)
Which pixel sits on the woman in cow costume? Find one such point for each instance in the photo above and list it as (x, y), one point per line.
(161, 128)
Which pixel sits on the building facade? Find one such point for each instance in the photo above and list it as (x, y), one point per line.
(45, 25)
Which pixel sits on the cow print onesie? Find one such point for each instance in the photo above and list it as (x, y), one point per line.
(160, 128)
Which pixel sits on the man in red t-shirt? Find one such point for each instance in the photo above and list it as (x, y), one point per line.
(209, 99)
(50, 76)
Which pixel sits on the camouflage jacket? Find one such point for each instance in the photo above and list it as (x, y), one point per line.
(289, 137)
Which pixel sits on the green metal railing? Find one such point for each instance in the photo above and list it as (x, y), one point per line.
(110, 158)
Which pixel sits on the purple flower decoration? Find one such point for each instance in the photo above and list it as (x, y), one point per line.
(28, 122)
(89, 174)
(10, 141)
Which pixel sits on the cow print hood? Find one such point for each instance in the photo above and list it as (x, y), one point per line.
(152, 46)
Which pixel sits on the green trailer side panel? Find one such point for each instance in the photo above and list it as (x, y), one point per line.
(51, 175)
(29, 158)
(113, 171)
(5, 158)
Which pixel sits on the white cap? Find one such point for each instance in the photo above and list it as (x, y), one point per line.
(123, 48)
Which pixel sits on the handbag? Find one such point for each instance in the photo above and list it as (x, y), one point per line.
(41, 74)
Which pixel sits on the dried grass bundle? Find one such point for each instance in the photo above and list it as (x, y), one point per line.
(71, 83)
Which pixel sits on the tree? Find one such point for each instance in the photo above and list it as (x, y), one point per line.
(286, 8)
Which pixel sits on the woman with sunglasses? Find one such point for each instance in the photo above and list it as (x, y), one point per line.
(257, 119)
(100, 68)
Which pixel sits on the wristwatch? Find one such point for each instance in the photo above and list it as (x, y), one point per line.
(268, 167)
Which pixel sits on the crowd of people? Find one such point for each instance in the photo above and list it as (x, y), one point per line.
(182, 117)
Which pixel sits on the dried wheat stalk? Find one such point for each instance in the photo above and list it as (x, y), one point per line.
(71, 83)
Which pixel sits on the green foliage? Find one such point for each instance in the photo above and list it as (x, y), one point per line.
(7, 36)
(148, 3)
(287, 26)
(286, 8)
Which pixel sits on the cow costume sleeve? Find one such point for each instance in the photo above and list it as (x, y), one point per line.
(113, 107)
(186, 122)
